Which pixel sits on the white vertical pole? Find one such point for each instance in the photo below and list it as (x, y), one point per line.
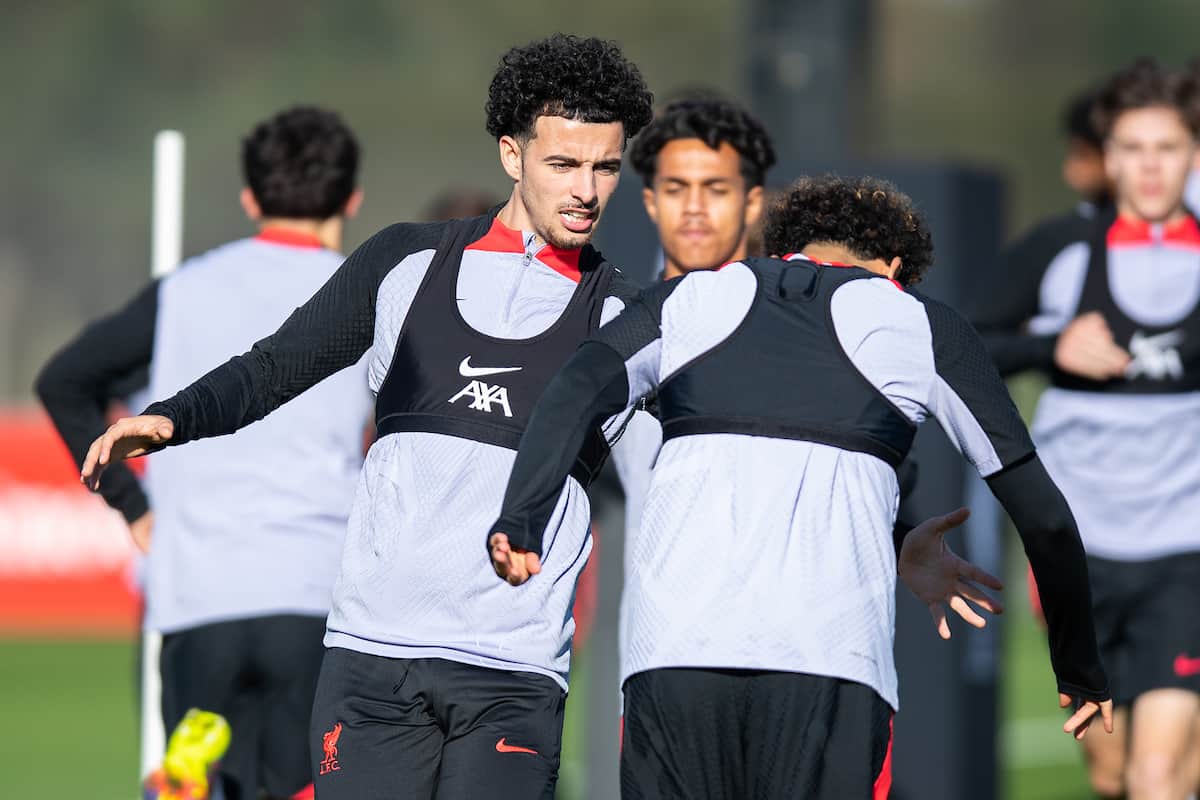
(166, 251)
(167, 220)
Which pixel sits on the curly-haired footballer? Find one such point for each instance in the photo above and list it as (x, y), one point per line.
(760, 589)
(440, 680)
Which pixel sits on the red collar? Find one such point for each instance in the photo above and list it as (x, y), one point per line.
(502, 239)
(1184, 232)
(289, 237)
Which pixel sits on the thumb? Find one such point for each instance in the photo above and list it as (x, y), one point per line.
(953, 519)
(162, 429)
(533, 563)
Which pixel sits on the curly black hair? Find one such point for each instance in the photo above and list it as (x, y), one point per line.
(869, 217)
(301, 164)
(589, 80)
(1147, 83)
(712, 120)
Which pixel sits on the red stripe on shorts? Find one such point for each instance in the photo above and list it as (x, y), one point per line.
(883, 782)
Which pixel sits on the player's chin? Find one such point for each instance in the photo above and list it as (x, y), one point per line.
(572, 239)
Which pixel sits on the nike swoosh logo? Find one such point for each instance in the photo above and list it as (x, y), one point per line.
(501, 747)
(1186, 667)
(467, 371)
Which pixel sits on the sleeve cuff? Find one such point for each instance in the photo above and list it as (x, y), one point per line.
(126, 495)
(1094, 695)
(1046, 346)
(518, 533)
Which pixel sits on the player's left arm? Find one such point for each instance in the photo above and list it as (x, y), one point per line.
(973, 406)
(609, 372)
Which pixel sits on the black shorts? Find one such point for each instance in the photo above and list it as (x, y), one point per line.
(260, 674)
(704, 734)
(1148, 623)
(429, 727)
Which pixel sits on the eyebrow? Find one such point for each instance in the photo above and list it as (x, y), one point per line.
(612, 163)
(704, 182)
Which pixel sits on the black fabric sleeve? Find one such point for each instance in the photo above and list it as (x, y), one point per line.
(78, 382)
(590, 388)
(907, 475)
(1051, 540)
(989, 424)
(328, 333)
(962, 361)
(1004, 300)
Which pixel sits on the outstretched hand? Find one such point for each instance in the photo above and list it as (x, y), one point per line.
(126, 438)
(512, 563)
(937, 576)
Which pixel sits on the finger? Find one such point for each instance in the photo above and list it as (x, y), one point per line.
(966, 612)
(500, 564)
(1106, 711)
(516, 571)
(979, 597)
(106, 444)
(533, 563)
(1064, 700)
(1115, 359)
(1078, 722)
(89, 464)
(939, 620)
(970, 572)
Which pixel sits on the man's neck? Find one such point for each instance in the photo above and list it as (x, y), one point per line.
(672, 269)
(515, 216)
(831, 254)
(1126, 210)
(327, 231)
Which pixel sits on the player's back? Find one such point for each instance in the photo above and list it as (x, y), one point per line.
(789, 393)
(252, 524)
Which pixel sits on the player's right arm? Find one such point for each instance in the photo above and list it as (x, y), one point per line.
(972, 404)
(78, 382)
(609, 372)
(328, 333)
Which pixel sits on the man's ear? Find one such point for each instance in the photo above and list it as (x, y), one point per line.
(754, 206)
(894, 267)
(250, 204)
(650, 201)
(353, 204)
(1110, 167)
(511, 157)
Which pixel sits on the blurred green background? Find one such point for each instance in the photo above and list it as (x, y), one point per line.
(86, 85)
